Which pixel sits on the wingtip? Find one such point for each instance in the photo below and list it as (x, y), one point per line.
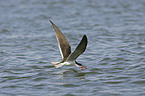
(51, 22)
(85, 36)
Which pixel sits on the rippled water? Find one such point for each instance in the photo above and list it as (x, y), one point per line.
(115, 56)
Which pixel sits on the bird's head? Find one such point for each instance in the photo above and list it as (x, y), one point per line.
(80, 65)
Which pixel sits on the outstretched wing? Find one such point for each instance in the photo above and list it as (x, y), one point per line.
(64, 46)
(79, 50)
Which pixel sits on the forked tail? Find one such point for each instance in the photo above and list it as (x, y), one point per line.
(57, 64)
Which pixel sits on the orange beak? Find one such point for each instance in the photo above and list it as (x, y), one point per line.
(83, 67)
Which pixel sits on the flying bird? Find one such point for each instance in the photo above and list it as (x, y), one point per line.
(68, 57)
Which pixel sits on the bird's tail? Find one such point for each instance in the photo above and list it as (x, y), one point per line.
(57, 64)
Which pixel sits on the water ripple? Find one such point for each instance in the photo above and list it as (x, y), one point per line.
(114, 55)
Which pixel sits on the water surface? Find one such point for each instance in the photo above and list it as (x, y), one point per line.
(114, 56)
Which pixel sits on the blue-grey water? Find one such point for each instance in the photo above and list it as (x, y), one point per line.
(115, 55)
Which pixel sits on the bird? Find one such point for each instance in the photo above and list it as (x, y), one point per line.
(68, 57)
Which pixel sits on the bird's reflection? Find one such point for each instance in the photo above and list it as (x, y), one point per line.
(71, 73)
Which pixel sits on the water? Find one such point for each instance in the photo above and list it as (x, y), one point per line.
(114, 56)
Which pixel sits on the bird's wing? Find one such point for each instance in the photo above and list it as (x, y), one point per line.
(79, 50)
(64, 46)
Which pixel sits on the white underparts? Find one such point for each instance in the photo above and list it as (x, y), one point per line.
(57, 64)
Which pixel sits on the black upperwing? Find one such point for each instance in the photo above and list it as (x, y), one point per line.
(64, 46)
(79, 50)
